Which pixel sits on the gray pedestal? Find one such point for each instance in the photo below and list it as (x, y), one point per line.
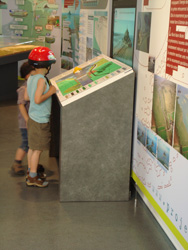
(95, 144)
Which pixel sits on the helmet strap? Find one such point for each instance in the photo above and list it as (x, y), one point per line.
(48, 81)
(48, 68)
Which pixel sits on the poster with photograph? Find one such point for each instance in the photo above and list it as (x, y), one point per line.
(70, 34)
(123, 35)
(160, 153)
(32, 20)
(94, 28)
(143, 31)
(163, 109)
(181, 122)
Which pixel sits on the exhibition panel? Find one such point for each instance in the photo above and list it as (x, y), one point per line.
(161, 126)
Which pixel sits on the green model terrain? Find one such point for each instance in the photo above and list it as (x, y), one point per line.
(98, 70)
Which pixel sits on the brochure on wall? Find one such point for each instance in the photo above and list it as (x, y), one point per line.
(160, 156)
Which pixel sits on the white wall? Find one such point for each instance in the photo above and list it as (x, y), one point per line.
(159, 166)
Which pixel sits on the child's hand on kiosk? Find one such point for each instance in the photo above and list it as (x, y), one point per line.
(52, 89)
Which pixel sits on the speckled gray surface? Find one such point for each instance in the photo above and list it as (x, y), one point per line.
(95, 144)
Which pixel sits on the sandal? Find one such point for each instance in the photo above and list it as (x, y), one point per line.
(17, 169)
(36, 182)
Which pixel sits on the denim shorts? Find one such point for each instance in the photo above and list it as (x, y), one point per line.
(24, 144)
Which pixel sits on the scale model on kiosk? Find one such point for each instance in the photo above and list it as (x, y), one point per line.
(96, 113)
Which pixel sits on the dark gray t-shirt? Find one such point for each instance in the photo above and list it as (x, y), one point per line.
(20, 92)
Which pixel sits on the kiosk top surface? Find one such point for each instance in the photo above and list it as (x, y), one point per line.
(88, 77)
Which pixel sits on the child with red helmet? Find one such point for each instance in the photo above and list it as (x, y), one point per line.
(39, 93)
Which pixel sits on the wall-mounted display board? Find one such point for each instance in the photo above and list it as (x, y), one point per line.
(96, 111)
(95, 29)
(31, 19)
(123, 27)
(160, 156)
(70, 33)
(83, 22)
(34, 20)
(123, 35)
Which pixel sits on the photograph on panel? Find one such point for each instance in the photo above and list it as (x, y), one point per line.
(143, 31)
(151, 142)
(123, 35)
(141, 133)
(151, 64)
(181, 122)
(89, 49)
(70, 20)
(164, 96)
(100, 26)
(163, 153)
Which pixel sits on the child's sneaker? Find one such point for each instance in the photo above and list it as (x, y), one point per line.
(17, 169)
(36, 182)
(40, 172)
(40, 169)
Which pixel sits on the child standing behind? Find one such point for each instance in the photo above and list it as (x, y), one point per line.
(25, 71)
(39, 93)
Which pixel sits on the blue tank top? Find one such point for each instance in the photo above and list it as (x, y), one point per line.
(38, 112)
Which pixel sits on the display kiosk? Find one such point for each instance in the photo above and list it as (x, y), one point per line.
(96, 103)
(12, 51)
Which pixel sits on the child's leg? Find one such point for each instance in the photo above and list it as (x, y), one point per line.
(36, 132)
(20, 154)
(17, 167)
(33, 179)
(34, 160)
(29, 154)
(40, 168)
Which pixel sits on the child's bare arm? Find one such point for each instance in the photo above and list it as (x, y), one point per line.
(39, 96)
(26, 97)
(23, 112)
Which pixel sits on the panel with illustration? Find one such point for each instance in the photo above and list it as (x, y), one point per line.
(34, 20)
(123, 35)
(160, 154)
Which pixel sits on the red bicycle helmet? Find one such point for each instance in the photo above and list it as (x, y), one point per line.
(41, 57)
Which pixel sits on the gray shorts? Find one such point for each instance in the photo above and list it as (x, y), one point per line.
(38, 135)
